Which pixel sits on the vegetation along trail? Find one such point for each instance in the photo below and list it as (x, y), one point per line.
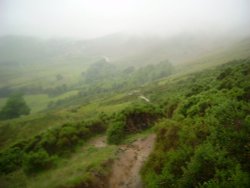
(125, 170)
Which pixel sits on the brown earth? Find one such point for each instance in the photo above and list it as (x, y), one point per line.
(125, 171)
(98, 142)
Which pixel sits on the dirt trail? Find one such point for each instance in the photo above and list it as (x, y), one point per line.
(98, 142)
(125, 170)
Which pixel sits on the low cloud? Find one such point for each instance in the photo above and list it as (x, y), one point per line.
(94, 18)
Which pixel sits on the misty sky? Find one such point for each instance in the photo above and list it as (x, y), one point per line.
(94, 18)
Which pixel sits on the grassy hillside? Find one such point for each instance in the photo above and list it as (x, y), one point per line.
(203, 140)
(198, 109)
(200, 119)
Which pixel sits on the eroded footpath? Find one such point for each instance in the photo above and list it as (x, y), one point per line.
(126, 168)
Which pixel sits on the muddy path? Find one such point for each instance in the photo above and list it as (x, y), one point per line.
(126, 169)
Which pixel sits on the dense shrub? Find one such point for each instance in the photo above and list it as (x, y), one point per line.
(11, 160)
(56, 141)
(169, 106)
(116, 133)
(133, 119)
(210, 144)
(37, 161)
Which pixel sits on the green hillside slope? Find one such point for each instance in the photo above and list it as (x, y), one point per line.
(196, 102)
(201, 121)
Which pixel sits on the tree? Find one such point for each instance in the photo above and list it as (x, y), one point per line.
(14, 107)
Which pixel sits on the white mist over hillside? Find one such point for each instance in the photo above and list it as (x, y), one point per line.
(90, 19)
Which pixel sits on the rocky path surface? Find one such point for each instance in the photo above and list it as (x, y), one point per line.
(125, 170)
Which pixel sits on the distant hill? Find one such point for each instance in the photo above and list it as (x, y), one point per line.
(29, 60)
(119, 48)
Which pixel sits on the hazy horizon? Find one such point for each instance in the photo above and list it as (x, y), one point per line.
(96, 18)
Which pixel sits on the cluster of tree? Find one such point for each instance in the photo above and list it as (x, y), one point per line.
(104, 78)
(203, 141)
(99, 71)
(55, 91)
(100, 78)
(103, 71)
(150, 73)
(14, 107)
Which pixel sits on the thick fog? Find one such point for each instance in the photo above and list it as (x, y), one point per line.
(94, 18)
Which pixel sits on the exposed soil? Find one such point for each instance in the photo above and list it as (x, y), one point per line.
(125, 170)
(98, 142)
